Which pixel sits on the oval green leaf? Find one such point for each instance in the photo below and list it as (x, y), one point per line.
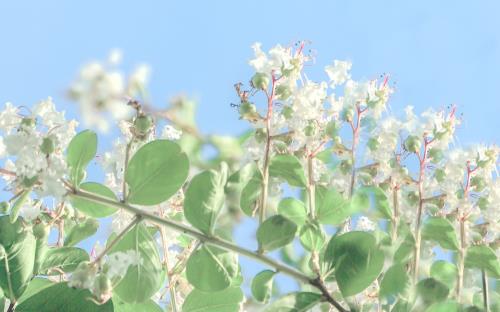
(262, 286)
(445, 272)
(227, 300)
(484, 258)
(204, 198)
(17, 265)
(275, 232)
(441, 231)
(60, 297)
(64, 259)
(293, 209)
(81, 150)
(211, 269)
(250, 193)
(156, 172)
(289, 168)
(141, 281)
(357, 260)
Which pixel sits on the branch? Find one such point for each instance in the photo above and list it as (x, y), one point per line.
(211, 240)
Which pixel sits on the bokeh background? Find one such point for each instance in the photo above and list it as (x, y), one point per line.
(437, 53)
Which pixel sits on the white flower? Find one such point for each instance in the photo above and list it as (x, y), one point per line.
(9, 118)
(338, 72)
(101, 90)
(119, 262)
(30, 210)
(170, 133)
(365, 224)
(25, 146)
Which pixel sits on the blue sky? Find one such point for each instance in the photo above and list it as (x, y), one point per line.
(437, 52)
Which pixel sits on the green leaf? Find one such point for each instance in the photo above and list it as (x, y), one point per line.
(204, 198)
(20, 246)
(41, 233)
(446, 306)
(381, 203)
(360, 202)
(91, 208)
(289, 168)
(295, 302)
(60, 297)
(483, 258)
(211, 269)
(312, 237)
(156, 172)
(331, 207)
(275, 232)
(35, 286)
(445, 272)
(431, 290)
(143, 280)
(81, 151)
(250, 193)
(14, 212)
(65, 259)
(395, 281)
(357, 260)
(441, 231)
(81, 231)
(227, 300)
(405, 250)
(147, 306)
(262, 286)
(293, 209)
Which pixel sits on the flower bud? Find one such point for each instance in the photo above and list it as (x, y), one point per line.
(283, 92)
(28, 122)
(412, 144)
(48, 146)
(436, 154)
(248, 111)
(310, 129)
(348, 114)
(142, 125)
(412, 197)
(483, 203)
(4, 207)
(439, 174)
(260, 135)
(346, 166)
(260, 81)
(373, 144)
(287, 111)
(332, 128)
(478, 183)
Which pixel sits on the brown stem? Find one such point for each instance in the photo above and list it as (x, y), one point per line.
(318, 283)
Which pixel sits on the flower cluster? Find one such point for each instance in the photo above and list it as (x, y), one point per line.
(101, 89)
(34, 144)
